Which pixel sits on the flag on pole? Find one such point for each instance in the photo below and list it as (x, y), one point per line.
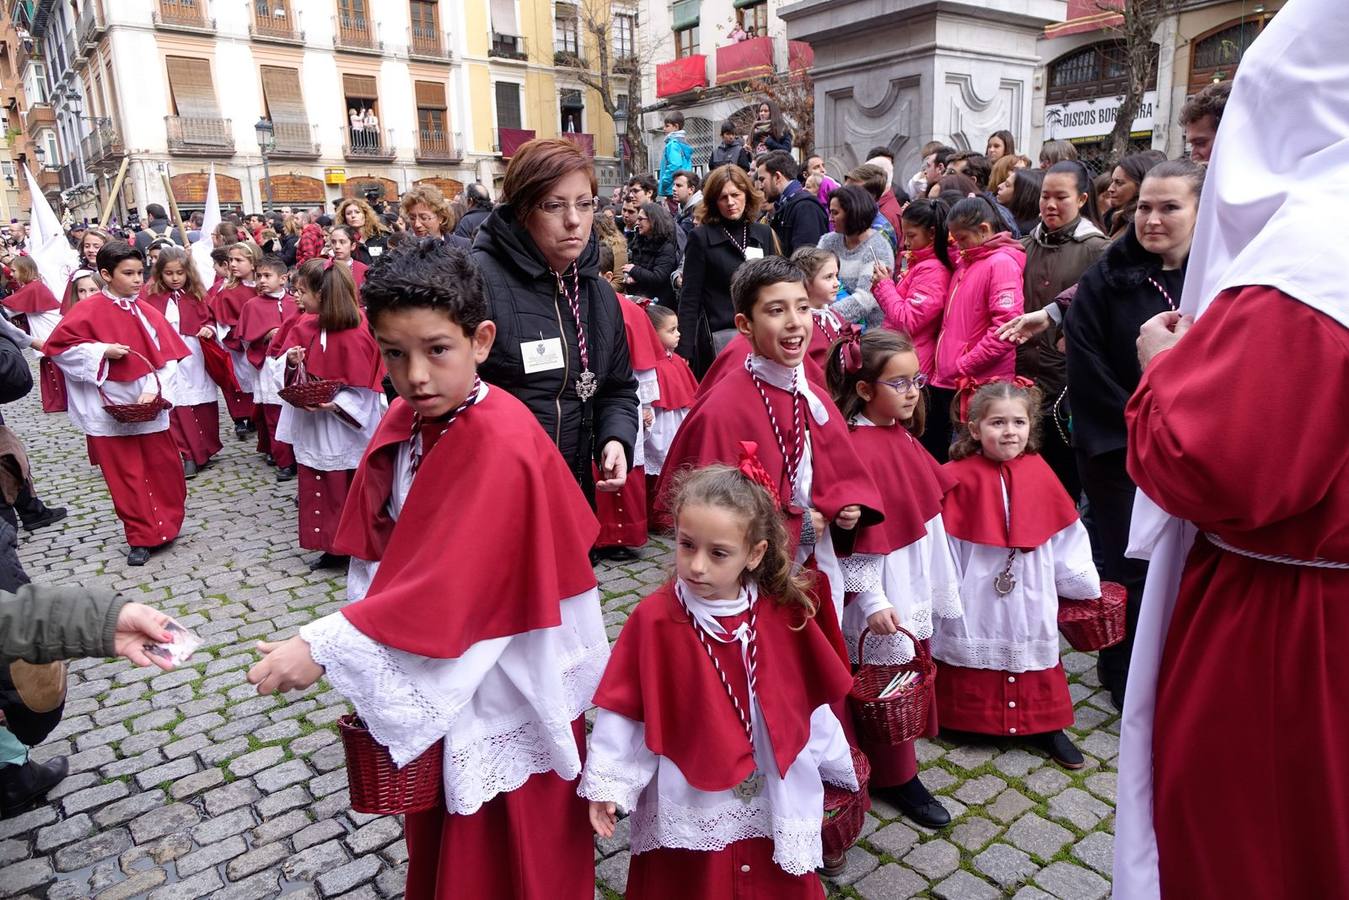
(202, 247)
(50, 250)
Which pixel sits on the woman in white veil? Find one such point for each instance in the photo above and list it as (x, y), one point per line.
(1234, 764)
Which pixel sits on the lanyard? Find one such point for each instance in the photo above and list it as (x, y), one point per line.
(416, 437)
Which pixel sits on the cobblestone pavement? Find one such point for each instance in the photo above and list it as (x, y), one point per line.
(188, 784)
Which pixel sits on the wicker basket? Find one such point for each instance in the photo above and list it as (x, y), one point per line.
(1094, 624)
(845, 811)
(903, 715)
(380, 788)
(133, 413)
(305, 391)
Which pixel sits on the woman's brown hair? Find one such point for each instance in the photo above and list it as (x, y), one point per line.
(25, 269)
(373, 226)
(965, 445)
(725, 487)
(878, 346)
(167, 255)
(333, 284)
(249, 249)
(430, 196)
(93, 232)
(536, 167)
(709, 214)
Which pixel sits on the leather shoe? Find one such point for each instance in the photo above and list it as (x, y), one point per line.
(138, 556)
(285, 473)
(189, 469)
(240, 429)
(329, 561)
(49, 515)
(24, 786)
(915, 801)
(1060, 749)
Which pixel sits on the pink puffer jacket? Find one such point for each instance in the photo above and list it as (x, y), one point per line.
(914, 306)
(986, 292)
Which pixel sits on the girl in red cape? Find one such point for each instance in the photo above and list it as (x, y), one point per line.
(461, 646)
(176, 291)
(227, 304)
(1019, 547)
(677, 384)
(329, 341)
(901, 573)
(262, 319)
(115, 349)
(715, 728)
(41, 312)
(343, 239)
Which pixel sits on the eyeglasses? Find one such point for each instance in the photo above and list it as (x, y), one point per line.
(643, 219)
(903, 385)
(584, 207)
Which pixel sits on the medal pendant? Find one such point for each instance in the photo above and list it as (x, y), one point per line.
(586, 385)
(1003, 583)
(750, 788)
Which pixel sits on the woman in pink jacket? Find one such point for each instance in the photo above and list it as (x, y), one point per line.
(914, 306)
(986, 292)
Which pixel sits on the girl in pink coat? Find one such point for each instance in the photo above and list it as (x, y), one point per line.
(914, 306)
(986, 292)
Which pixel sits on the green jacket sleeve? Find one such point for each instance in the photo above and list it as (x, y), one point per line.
(41, 623)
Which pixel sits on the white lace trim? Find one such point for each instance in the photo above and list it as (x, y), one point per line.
(891, 649)
(1080, 585)
(946, 602)
(840, 772)
(606, 782)
(796, 842)
(862, 573)
(997, 655)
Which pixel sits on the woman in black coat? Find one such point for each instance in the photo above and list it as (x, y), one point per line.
(652, 256)
(539, 263)
(724, 238)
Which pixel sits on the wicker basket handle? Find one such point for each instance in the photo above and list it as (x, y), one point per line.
(159, 388)
(920, 651)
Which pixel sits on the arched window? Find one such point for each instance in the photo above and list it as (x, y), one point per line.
(1215, 55)
(1099, 70)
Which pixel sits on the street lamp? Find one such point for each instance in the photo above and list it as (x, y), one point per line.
(266, 133)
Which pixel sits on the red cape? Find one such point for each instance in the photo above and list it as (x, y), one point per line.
(453, 569)
(261, 315)
(734, 412)
(228, 303)
(1039, 506)
(644, 346)
(659, 675)
(678, 384)
(99, 320)
(193, 313)
(352, 356)
(733, 357)
(822, 336)
(33, 297)
(910, 482)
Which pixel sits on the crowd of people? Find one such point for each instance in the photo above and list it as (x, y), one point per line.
(881, 419)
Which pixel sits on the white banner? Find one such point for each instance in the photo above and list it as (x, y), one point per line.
(1095, 118)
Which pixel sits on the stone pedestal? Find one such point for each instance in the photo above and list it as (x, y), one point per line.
(901, 73)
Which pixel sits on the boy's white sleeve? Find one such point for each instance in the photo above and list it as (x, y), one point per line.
(618, 763)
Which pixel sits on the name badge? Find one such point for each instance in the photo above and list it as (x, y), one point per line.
(541, 356)
(753, 253)
(375, 251)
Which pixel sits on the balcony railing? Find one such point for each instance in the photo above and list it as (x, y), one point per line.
(189, 15)
(92, 25)
(38, 115)
(102, 144)
(273, 22)
(748, 59)
(437, 146)
(198, 136)
(428, 43)
(508, 46)
(294, 140)
(70, 175)
(367, 143)
(356, 33)
(48, 179)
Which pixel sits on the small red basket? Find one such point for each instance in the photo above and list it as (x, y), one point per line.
(903, 715)
(378, 787)
(1094, 624)
(135, 413)
(845, 811)
(305, 391)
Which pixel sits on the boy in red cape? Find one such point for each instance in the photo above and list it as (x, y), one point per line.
(115, 349)
(481, 627)
(802, 438)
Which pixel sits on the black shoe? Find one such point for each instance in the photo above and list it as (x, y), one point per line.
(1117, 697)
(241, 429)
(1060, 749)
(285, 473)
(915, 801)
(252, 426)
(269, 459)
(24, 787)
(190, 469)
(138, 556)
(49, 515)
(615, 554)
(329, 561)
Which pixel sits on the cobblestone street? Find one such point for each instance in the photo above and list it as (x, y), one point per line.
(188, 784)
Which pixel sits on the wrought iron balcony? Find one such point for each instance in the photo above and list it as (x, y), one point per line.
(184, 15)
(294, 140)
(355, 34)
(427, 43)
(199, 136)
(368, 144)
(508, 46)
(272, 21)
(92, 26)
(102, 145)
(437, 146)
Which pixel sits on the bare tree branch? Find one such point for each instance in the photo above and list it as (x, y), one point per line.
(1139, 22)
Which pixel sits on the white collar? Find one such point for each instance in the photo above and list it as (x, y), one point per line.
(828, 315)
(788, 379)
(705, 612)
(125, 303)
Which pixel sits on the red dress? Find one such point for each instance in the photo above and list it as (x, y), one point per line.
(1240, 430)
(226, 304)
(261, 320)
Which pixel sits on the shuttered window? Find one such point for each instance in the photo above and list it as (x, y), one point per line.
(430, 94)
(508, 104)
(192, 89)
(359, 87)
(281, 92)
(423, 15)
(503, 17)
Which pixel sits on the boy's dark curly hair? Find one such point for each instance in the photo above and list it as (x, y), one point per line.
(426, 273)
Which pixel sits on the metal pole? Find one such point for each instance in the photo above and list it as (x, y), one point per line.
(267, 184)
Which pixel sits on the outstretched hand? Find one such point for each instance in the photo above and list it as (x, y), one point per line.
(137, 625)
(285, 666)
(1025, 326)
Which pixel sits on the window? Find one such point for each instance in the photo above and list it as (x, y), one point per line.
(572, 109)
(508, 104)
(1099, 70)
(285, 107)
(567, 30)
(503, 17)
(53, 148)
(625, 35)
(362, 101)
(423, 15)
(621, 104)
(351, 13)
(431, 113)
(191, 87)
(35, 84)
(686, 42)
(1216, 55)
(753, 18)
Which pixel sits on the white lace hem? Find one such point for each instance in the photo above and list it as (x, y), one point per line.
(1081, 585)
(862, 573)
(796, 842)
(604, 782)
(997, 655)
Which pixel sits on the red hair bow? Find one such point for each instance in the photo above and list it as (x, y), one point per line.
(850, 348)
(966, 385)
(753, 469)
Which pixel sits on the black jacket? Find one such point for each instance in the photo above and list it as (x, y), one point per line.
(710, 259)
(653, 262)
(468, 226)
(800, 221)
(1114, 299)
(16, 379)
(524, 302)
(734, 153)
(160, 228)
